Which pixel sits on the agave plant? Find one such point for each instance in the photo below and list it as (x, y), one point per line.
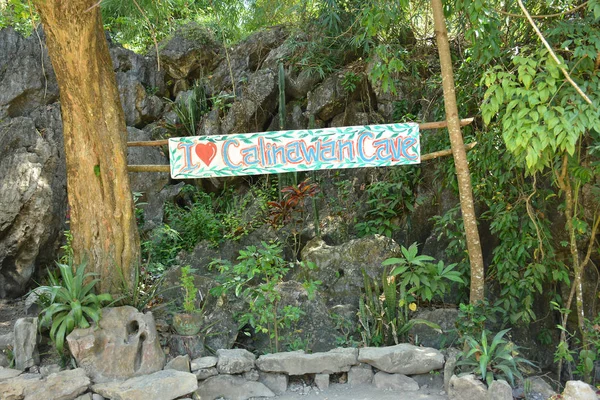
(492, 360)
(72, 303)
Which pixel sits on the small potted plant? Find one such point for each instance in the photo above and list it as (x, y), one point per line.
(188, 322)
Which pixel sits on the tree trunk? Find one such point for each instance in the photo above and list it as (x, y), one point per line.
(103, 221)
(460, 156)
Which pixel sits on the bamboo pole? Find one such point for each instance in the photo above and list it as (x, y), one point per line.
(423, 127)
(460, 156)
(447, 152)
(166, 168)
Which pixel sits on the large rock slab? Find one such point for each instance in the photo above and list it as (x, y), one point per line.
(14, 388)
(32, 198)
(402, 359)
(162, 385)
(466, 387)
(232, 388)
(64, 385)
(8, 373)
(578, 390)
(125, 344)
(299, 363)
(234, 361)
(25, 343)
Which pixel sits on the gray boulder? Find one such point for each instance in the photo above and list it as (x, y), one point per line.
(445, 318)
(26, 75)
(276, 382)
(145, 68)
(578, 390)
(299, 363)
(125, 344)
(9, 373)
(203, 362)
(361, 374)
(402, 359)
(32, 199)
(500, 390)
(383, 380)
(14, 388)
(232, 388)
(340, 267)
(162, 385)
(234, 361)
(139, 107)
(192, 47)
(205, 373)
(179, 363)
(65, 385)
(250, 112)
(466, 387)
(25, 343)
(246, 57)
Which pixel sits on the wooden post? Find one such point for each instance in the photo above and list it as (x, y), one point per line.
(460, 156)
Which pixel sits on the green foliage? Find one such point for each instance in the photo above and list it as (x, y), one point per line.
(472, 318)
(18, 14)
(160, 249)
(350, 80)
(384, 312)
(388, 200)
(67, 249)
(72, 303)
(189, 290)
(189, 111)
(421, 278)
(255, 278)
(196, 221)
(498, 359)
(144, 292)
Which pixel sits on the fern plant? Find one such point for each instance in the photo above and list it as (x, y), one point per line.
(72, 302)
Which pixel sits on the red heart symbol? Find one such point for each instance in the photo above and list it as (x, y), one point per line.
(206, 152)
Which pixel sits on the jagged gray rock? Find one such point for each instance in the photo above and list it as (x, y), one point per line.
(340, 267)
(162, 385)
(26, 75)
(234, 361)
(383, 380)
(25, 343)
(8, 373)
(299, 363)
(231, 387)
(32, 200)
(204, 373)
(403, 358)
(125, 344)
(190, 48)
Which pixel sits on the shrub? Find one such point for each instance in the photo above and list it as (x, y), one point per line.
(72, 303)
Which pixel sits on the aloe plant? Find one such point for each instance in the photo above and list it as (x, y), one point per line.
(72, 303)
(500, 358)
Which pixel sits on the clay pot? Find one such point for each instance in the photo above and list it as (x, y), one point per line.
(187, 324)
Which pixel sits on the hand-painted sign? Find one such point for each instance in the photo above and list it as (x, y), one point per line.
(288, 151)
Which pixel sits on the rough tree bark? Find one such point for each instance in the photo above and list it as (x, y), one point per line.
(460, 156)
(102, 212)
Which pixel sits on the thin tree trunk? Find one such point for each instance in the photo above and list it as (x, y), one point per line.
(460, 156)
(102, 212)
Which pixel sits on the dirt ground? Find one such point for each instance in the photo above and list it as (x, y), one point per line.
(345, 392)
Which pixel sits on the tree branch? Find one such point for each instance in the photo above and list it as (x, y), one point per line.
(571, 11)
(564, 71)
